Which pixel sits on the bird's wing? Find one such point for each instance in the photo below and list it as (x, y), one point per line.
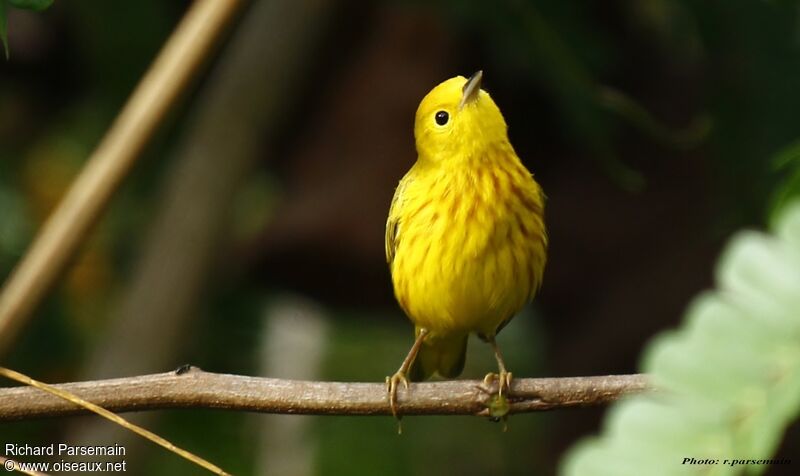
(393, 222)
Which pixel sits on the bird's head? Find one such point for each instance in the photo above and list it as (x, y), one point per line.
(458, 120)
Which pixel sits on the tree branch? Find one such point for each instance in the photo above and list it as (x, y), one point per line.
(195, 388)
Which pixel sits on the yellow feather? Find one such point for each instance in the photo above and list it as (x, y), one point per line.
(465, 237)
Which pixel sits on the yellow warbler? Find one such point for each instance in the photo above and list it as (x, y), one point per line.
(465, 238)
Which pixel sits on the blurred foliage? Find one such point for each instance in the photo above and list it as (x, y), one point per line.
(787, 164)
(752, 94)
(35, 5)
(4, 26)
(728, 380)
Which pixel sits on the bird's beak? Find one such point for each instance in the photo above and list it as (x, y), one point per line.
(471, 89)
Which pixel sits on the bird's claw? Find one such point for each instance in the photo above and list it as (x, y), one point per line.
(391, 388)
(503, 381)
(497, 405)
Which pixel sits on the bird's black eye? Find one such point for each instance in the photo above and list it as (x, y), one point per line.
(441, 117)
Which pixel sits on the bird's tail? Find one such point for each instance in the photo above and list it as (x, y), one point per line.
(442, 355)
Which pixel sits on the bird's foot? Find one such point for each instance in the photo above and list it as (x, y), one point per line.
(392, 383)
(503, 381)
(497, 405)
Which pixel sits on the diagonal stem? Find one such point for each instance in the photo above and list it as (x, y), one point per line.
(66, 229)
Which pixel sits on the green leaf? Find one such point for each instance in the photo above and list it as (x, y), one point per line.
(4, 26)
(35, 5)
(728, 379)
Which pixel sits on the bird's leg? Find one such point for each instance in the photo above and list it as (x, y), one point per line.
(503, 376)
(400, 376)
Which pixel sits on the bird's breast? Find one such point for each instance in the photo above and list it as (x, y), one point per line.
(471, 248)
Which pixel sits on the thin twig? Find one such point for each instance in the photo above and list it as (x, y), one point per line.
(198, 389)
(68, 397)
(179, 61)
